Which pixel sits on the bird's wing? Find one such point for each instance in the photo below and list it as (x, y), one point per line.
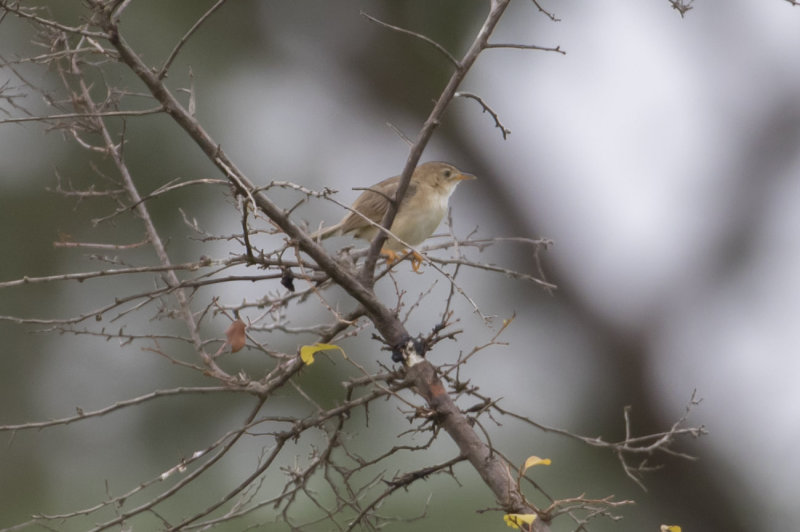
(373, 203)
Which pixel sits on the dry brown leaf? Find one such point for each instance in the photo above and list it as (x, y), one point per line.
(236, 336)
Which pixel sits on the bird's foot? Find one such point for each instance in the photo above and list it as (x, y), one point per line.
(416, 261)
(392, 258)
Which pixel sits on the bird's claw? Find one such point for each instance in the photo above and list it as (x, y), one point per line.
(392, 258)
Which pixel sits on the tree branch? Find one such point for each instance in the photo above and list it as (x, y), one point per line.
(492, 469)
(496, 11)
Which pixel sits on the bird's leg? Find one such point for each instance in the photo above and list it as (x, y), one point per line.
(416, 261)
(391, 256)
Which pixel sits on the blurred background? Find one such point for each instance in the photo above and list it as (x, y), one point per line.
(660, 154)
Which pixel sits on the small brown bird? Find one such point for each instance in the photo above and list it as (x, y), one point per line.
(421, 211)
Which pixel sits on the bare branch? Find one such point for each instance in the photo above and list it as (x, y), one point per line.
(420, 36)
(513, 46)
(547, 13)
(486, 109)
(496, 11)
(302, 297)
(162, 72)
(30, 14)
(83, 415)
(69, 116)
(684, 6)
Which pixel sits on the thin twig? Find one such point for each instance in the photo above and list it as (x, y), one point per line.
(547, 13)
(13, 7)
(420, 36)
(162, 72)
(496, 11)
(83, 415)
(556, 49)
(486, 109)
(68, 116)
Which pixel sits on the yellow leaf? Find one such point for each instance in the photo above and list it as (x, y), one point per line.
(534, 461)
(670, 528)
(307, 352)
(517, 520)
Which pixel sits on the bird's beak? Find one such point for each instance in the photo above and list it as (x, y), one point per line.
(464, 177)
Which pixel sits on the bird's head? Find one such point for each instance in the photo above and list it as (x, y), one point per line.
(439, 175)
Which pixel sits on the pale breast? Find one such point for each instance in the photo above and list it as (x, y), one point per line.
(414, 227)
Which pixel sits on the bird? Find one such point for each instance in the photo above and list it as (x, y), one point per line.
(420, 213)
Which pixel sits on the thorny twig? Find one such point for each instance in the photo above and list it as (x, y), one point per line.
(358, 483)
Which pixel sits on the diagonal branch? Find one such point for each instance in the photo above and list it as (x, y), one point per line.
(497, 9)
(486, 109)
(491, 467)
(114, 151)
(389, 326)
(162, 73)
(425, 38)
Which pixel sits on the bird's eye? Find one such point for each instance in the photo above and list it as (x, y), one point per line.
(447, 173)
